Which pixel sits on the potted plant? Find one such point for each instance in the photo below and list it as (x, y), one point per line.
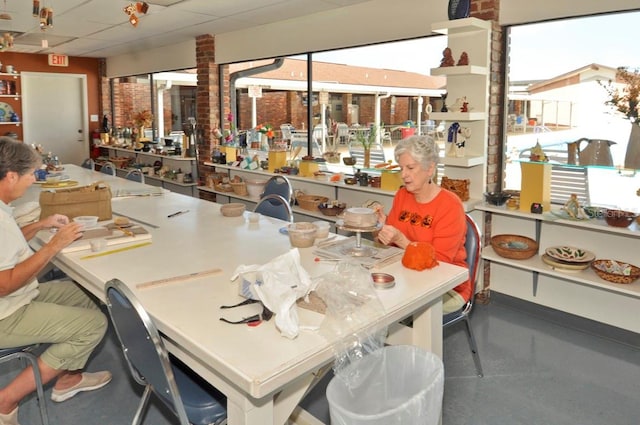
(626, 100)
(367, 139)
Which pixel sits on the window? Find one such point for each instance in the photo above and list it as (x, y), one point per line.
(555, 99)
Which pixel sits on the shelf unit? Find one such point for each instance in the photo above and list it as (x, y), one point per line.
(473, 36)
(582, 293)
(14, 100)
(187, 165)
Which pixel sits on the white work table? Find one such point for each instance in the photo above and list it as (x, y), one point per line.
(263, 374)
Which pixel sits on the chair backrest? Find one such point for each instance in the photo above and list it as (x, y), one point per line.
(473, 246)
(135, 175)
(280, 185)
(108, 168)
(143, 349)
(274, 206)
(88, 163)
(342, 129)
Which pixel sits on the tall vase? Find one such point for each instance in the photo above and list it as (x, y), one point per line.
(632, 157)
(367, 157)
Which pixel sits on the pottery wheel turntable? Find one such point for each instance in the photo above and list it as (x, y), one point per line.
(358, 250)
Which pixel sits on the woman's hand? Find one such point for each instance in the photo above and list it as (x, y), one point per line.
(389, 235)
(65, 235)
(382, 217)
(55, 220)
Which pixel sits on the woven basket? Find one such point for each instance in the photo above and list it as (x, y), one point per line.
(614, 277)
(515, 247)
(331, 210)
(310, 202)
(223, 187)
(239, 188)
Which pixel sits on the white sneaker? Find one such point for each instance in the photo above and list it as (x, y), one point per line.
(89, 382)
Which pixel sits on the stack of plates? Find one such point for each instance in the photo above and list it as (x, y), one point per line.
(567, 258)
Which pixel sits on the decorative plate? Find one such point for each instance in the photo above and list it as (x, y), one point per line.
(5, 111)
(570, 254)
(562, 265)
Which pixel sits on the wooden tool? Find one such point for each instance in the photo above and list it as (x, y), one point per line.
(181, 278)
(114, 251)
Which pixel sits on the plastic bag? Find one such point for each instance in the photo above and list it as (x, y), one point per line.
(278, 284)
(352, 305)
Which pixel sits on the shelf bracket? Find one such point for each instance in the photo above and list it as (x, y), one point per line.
(538, 230)
(535, 283)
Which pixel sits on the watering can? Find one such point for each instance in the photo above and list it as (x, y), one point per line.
(597, 152)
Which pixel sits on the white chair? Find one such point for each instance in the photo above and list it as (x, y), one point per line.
(285, 130)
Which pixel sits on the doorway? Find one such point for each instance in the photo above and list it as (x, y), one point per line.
(54, 108)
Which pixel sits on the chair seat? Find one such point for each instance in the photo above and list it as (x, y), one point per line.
(201, 406)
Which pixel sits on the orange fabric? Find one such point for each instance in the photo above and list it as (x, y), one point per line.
(440, 222)
(419, 256)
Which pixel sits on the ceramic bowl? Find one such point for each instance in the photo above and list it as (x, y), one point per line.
(87, 221)
(497, 198)
(302, 235)
(619, 218)
(233, 209)
(349, 160)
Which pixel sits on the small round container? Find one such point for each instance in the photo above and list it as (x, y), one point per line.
(98, 244)
(254, 217)
(87, 221)
(302, 235)
(383, 280)
(619, 218)
(322, 230)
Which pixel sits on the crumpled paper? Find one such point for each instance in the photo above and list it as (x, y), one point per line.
(278, 284)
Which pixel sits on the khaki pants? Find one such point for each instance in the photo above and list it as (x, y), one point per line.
(61, 315)
(452, 301)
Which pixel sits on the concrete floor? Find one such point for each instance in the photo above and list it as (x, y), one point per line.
(541, 368)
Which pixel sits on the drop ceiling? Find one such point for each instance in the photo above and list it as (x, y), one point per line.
(100, 28)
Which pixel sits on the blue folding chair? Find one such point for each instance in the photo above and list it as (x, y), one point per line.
(472, 245)
(191, 400)
(279, 185)
(135, 175)
(24, 353)
(108, 168)
(274, 206)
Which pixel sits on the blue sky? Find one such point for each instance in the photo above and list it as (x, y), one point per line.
(538, 51)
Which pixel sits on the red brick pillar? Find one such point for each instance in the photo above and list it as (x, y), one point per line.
(207, 97)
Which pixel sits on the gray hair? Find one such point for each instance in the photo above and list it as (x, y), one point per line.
(423, 149)
(17, 157)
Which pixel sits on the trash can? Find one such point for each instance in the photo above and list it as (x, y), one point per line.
(400, 385)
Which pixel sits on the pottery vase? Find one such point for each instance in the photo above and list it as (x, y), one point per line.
(632, 157)
(367, 157)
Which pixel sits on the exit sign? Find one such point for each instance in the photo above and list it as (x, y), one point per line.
(58, 60)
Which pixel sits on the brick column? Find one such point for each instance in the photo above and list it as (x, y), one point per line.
(207, 98)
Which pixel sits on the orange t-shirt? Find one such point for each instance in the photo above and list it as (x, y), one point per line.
(440, 222)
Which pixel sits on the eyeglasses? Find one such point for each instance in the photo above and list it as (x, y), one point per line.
(415, 219)
(254, 320)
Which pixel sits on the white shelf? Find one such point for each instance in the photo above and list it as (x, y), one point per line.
(458, 116)
(456, 26)
(460, 70)
(586, 277)
(10, 123)
(10, 96)
(465, 161)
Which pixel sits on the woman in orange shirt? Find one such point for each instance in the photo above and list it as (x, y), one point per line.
(422, 211)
